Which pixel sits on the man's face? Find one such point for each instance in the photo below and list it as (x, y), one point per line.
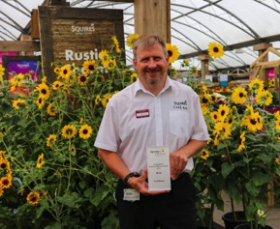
(151, 64)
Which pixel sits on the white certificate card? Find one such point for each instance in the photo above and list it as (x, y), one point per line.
(158, 168)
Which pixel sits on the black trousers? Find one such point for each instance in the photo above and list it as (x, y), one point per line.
(173, 210)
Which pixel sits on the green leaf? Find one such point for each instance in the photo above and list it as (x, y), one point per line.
(226, 169)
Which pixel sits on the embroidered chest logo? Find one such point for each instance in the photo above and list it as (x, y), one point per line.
(180, 105)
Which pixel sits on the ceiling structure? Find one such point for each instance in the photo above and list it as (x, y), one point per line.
(236, 24)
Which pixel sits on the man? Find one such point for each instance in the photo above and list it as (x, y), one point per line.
(154, 111)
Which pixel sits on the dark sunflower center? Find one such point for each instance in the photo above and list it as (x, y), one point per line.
(83, 79)
(3, 166)
(85, 131)
(241, 94)
(44, 91)
(204, 100)
(170, 53)
(253, 121)
(91, 67)
(65, 71)
(215, 49)
(223, 113)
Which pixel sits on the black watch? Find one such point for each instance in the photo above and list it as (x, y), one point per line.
(134, 174)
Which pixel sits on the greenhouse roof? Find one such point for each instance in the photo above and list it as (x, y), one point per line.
(236, 24)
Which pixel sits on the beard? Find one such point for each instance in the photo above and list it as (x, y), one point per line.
(156, 80)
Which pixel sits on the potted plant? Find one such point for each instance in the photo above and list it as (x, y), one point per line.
(244, 148)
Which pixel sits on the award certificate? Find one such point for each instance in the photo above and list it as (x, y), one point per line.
(158, 168)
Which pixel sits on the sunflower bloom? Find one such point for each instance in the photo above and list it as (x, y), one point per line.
(277, 124)
(51, 109)
(44, 91)
(264, 98)
(6, 182)
(4, 164)
(131, 39)
(82, 80)
(277, 160)
(57, 84)
(69, 131)
(223, 111)
(40, 161)
(33, 198)
(2, 71)
(241, 142)
(215, 50)
(90, 66)
(17, 80)
(1, 191)
(18, 103)
(51, 140)
(215, 116)
(116, 44)
(254, 122)
(40, 102)
(133, 77)
(65, 72)
(173, 52)
(85, 131)
(239, 95)
(204, 154)
(256, 85)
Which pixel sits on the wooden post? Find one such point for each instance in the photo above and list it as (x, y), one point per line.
(204, 65)
(153, 17)
(261, 48)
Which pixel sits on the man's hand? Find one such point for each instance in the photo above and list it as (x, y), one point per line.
(178, 162)
(141, 185)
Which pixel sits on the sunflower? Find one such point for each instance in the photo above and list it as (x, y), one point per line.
(277, 124)
(133, 77)
(97, 100)
(277, 160)
(204, 154)
(18, 103)
(131, 39)
(83, 79)
(1, 191)
(104, 57)
(40, 102)
(215, 116)
(264, 98)
(4, 164)
(6, 182)
(69, 131)
(173, 52)
(172, 72)
(111, 64)
(105, 99)
(205, 99)
(256, 85)
(116, 44)
(277, 114)
(2, 71)
(215, 50)
(65, 72)
(40, 161)
(271, 83)
(72, 149)
(51, 140)
(254, 122)
(44, 91)
(90, 66)
(241, 142)
(51, 109)
(56, 70)
(239, 95)
(17, 80)
(223, 111)
(57, 84)
(222, 130)
(85, 131)
(205, 110)
(33, 198)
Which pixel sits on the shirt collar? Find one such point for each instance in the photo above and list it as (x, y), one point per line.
(139, 86)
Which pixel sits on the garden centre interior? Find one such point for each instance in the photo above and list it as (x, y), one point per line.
(245, 34)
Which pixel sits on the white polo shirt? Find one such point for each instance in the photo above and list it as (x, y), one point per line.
(135, 118)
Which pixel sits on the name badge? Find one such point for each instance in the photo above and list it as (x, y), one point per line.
(130, 194)
(142, 113)
(158, 168)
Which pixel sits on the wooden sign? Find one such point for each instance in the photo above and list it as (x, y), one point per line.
(74, 35)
